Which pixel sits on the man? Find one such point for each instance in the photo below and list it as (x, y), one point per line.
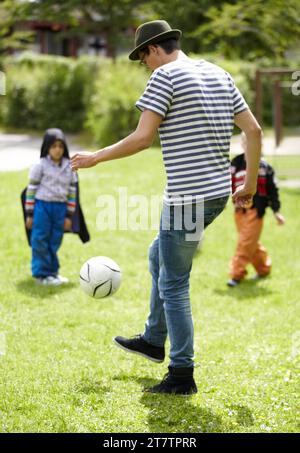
(193, 105)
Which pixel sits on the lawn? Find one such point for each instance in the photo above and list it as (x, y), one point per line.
(285, 166)
(60, 371)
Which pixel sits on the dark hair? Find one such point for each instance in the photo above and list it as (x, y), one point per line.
(168, 45)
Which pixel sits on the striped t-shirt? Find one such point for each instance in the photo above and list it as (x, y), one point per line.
(198, 101)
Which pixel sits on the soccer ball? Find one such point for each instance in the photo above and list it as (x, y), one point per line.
(100, 277)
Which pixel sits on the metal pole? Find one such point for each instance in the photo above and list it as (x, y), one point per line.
(278, 112)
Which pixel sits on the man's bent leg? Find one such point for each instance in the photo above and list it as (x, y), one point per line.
(176, 254)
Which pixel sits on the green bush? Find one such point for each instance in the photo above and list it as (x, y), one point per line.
(112, 114)
(244, 76)
(90, 92)
(18, 109)
(99, 95)
(44, 91)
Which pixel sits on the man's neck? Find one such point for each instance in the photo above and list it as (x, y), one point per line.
(176, 55)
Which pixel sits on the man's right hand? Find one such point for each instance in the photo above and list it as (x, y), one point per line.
(29, 222)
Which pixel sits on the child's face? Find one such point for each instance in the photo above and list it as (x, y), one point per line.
(56, 151)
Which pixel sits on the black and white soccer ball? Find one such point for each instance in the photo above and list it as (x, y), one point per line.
(100, 276)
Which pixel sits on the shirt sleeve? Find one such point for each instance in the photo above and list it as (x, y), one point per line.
(71, 198)
(272, 190)
(35, 177)
(158, 93)
(239, 103)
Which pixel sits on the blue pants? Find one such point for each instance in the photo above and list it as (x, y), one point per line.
(170, 263)
(46, 236)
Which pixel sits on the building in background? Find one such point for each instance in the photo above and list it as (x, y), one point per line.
(56, 39)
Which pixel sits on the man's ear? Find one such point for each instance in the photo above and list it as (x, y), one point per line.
(153, 47)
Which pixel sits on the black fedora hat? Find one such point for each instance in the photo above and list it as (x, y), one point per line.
(151, 33)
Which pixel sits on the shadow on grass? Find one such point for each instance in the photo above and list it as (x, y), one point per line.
(242, 414)
(171, 413)
(248, 289)
(177, 414)
(30, 288)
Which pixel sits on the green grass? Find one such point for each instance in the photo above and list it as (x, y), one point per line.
(60, 371)
(286, 167)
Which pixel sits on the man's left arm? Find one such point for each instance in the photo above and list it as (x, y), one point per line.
(139, 140)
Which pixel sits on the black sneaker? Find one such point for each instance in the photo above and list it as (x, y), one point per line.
(178, 381)
(137, 345)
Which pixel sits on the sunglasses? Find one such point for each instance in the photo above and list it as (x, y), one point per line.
(142, 60)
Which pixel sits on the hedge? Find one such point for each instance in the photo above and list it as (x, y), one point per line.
(44, 91)
(112, 113)
(99, 95)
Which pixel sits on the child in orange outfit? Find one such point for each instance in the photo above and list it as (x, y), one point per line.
(249, 222)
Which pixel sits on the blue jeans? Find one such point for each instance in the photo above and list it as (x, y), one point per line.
(46, 237)
(170, 263)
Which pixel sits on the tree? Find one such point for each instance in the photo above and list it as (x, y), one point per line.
(111, 18)
(234, 28)
(186, 15)
(12, 12)
(115, 18)
(251, 29)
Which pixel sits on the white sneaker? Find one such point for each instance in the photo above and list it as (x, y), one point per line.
(51, 281)
(62, 279)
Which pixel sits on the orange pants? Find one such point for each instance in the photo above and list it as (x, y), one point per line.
(249, 249)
